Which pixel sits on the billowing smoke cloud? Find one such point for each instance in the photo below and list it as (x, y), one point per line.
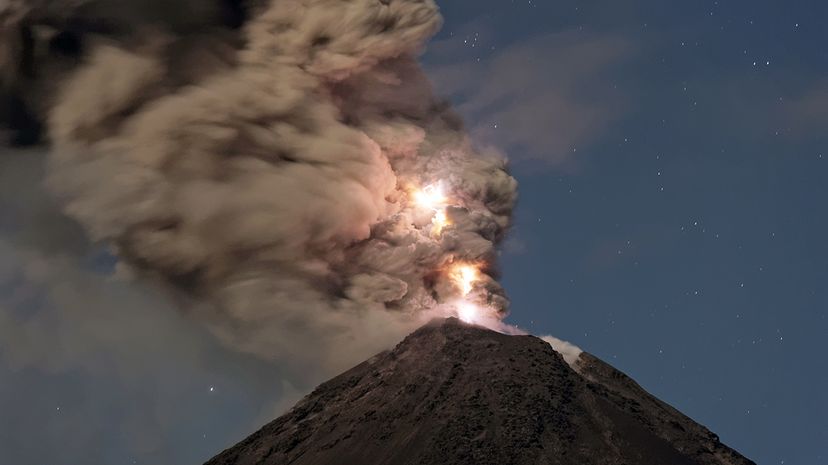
(97, 370)
(267, 177)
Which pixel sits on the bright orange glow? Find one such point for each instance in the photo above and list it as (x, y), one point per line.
(464, 275)
(468, 312)
(439, 222)
(431, 197)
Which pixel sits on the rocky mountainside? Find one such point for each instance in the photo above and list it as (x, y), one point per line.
(452, 393)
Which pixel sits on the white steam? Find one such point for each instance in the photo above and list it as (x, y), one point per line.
(570, 352)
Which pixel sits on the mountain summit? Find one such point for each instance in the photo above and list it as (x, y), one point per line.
(452, 393)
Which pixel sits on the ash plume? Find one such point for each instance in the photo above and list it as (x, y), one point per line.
(266, 174)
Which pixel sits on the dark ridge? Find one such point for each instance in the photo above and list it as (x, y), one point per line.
(451, 393)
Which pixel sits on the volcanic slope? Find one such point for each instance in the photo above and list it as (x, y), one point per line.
(452, 393)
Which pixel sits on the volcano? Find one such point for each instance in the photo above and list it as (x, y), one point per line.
(453, 393)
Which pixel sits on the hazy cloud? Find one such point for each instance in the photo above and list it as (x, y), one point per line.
(806, 113)
(98, 370)
(540, 100)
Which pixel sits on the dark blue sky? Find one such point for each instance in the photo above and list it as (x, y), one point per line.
(673, 178)
(673, 169)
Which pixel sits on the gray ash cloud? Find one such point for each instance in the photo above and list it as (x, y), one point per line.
(263, 173)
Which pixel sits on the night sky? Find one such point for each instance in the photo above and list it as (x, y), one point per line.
(673, 168)
(673, 174)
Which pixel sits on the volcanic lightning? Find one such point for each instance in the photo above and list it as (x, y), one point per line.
(464, 275)
(439, 222)
(434, 198)
(306, 177)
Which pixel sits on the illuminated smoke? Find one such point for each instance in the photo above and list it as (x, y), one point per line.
(431, 197)
(464, 276)
(303, 193)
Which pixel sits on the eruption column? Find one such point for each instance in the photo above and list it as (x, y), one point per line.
(462, 275)
(266, 188)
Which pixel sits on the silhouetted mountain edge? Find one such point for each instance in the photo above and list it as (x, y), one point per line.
(453, 393)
